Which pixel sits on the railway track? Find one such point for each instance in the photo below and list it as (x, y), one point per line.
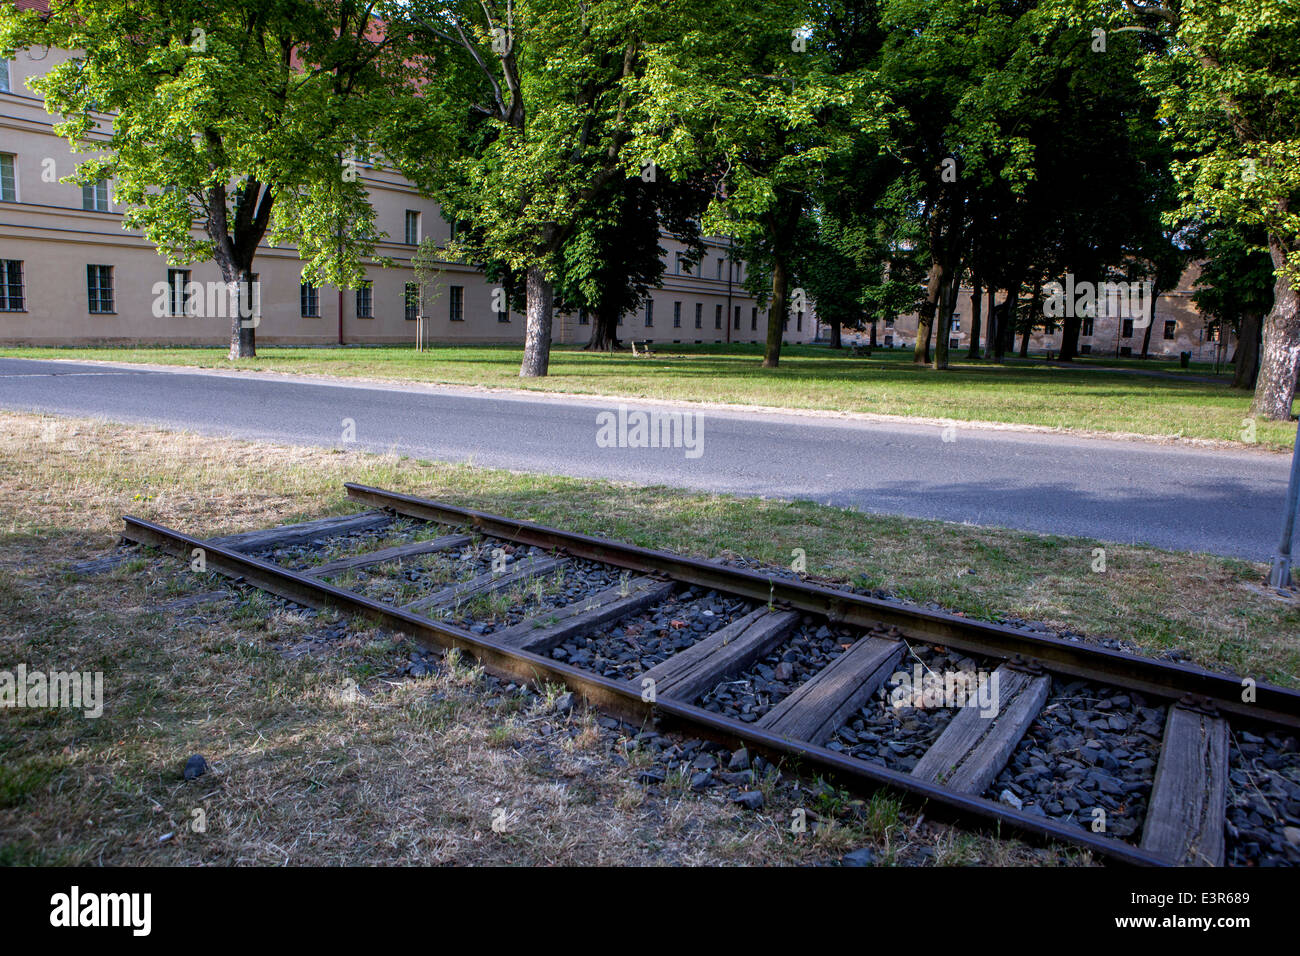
(962, 715)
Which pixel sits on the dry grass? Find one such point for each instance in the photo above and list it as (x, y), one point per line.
(324, 759)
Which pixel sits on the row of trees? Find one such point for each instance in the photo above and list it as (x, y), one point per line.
(861, 150)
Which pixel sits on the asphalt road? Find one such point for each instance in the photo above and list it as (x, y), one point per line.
(1180, 497)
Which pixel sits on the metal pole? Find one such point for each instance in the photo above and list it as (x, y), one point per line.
(1280, 576)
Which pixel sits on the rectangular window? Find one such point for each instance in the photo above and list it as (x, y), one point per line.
(889, 341)
(178, 300)
(735, 321)
(956, 322)
(1126, 351)
(412, 227)
(699, 315)
(1085, 349)
(94, 196)
(677, 315)
(456, 303)
(889, 323)
(1171, 327)
(719, 267)
(582, 316)
(366, 301)
(1126, 329)
(4, 77)
(1087, 327)
(954, 343)
(309, 300)
(11, 285)
(717, 316)
(99, 288)
(753, 319)
(649, 312)
(8, 178)
(411, 302)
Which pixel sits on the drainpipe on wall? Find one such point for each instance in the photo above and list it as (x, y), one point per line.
(731, 247)
(340, 315)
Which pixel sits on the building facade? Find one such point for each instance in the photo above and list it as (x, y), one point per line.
(70, 274)
(1115, 331)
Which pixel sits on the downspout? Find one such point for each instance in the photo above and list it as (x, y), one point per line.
(731, 245)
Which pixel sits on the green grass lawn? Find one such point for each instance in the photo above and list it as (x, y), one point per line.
(1099, 395)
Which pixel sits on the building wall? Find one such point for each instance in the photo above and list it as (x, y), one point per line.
(1110, 336)
(47, 229)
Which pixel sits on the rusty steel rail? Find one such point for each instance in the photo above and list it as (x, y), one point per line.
(1272, 704)
(618, 698)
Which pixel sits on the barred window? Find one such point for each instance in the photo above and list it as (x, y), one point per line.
(699, 315)
(309, 300)
(99, 288)
(178, 303)
(411, 302)
(649, 312)
(11, 285)
(677, 315)
(457, 303)
(366, 301)
(412, 227)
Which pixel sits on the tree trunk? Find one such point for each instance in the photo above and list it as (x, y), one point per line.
(1070, 330)
(947, 305)
(836, 342)
(244, 318)
(1035, 307)
(1151, 321)
(1246, 361)
(1280, 353)
(976, 308)
(1007, 320)
(776, 315)
(604, 333)
(991, 320)
(873, 334)
(925, 317)
(539, 294)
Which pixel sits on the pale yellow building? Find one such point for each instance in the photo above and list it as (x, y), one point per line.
(71, 275)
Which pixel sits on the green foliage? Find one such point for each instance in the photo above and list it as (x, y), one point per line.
(226, 118)
(1229, 88)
